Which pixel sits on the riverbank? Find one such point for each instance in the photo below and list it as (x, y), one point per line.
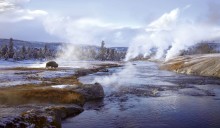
(202, 64)
(46, 102)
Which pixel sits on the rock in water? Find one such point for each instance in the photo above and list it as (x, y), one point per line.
(104, 70)
(91, 91)
(51, 64)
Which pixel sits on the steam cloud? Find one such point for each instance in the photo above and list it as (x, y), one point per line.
(169, 36)
(86, 31)
(120, 78)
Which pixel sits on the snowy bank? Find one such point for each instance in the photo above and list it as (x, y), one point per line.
(202, 64)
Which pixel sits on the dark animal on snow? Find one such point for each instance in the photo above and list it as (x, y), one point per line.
(51, 64)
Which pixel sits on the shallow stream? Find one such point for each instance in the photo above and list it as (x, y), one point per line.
(139, 95)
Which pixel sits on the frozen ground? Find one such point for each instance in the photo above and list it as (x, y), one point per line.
(10, 76)
(201, 64)
(41, 64)
(26, 63)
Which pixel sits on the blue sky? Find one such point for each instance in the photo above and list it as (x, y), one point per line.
(90, 21)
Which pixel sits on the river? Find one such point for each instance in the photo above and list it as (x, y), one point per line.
(139, 95)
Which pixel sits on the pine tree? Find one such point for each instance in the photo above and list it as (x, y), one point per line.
(4, 50)
(102, 51)
(92, 53)
(112, 54)
(29, 53)
(40, 54)
(6, 56)
(107, 54)
(16, 56)
(45, 50)
(23, 52)
(11, 48)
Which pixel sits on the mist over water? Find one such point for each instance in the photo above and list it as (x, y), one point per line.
(152, 98)
(117, 79)
(168, 36)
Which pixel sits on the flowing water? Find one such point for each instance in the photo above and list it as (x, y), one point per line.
(139, 95)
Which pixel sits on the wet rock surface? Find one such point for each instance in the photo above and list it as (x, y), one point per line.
(35, 116)
(91, 91)
(201, 64)
(99, 68)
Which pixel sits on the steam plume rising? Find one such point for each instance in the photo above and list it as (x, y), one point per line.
(169, 35)
(163, 38)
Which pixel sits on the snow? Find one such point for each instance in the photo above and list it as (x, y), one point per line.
(60, 86)
(41, 64)
(21, 82)
(11, 77)
(25, 63)
(64, 86)
(80, 64)
(55, 74)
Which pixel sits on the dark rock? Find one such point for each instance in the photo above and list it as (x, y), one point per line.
(91, 91)
(64, 112)
(49, 117)
(51, 64)
(104, 70)
(83, 72)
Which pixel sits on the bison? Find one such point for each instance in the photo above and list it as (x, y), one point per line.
(51, 64)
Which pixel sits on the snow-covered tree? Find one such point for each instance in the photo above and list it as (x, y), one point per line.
(11, 48)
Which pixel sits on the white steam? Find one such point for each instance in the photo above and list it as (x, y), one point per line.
(88, 30)
(163, 38)
(121, 78)
(169, 35)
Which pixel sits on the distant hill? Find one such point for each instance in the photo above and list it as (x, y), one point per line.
(50, 45)
(33, 44)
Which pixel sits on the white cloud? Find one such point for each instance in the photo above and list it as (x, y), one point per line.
(5, 6)
(36, 12)
(12, 11)
(87, 30)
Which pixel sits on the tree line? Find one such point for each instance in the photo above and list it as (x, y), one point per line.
(25, 53)
(83, 53)
(101, 53)
(110, 54)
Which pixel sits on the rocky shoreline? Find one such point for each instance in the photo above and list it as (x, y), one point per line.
(201, 64)
(41, 105)
(39, 116)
